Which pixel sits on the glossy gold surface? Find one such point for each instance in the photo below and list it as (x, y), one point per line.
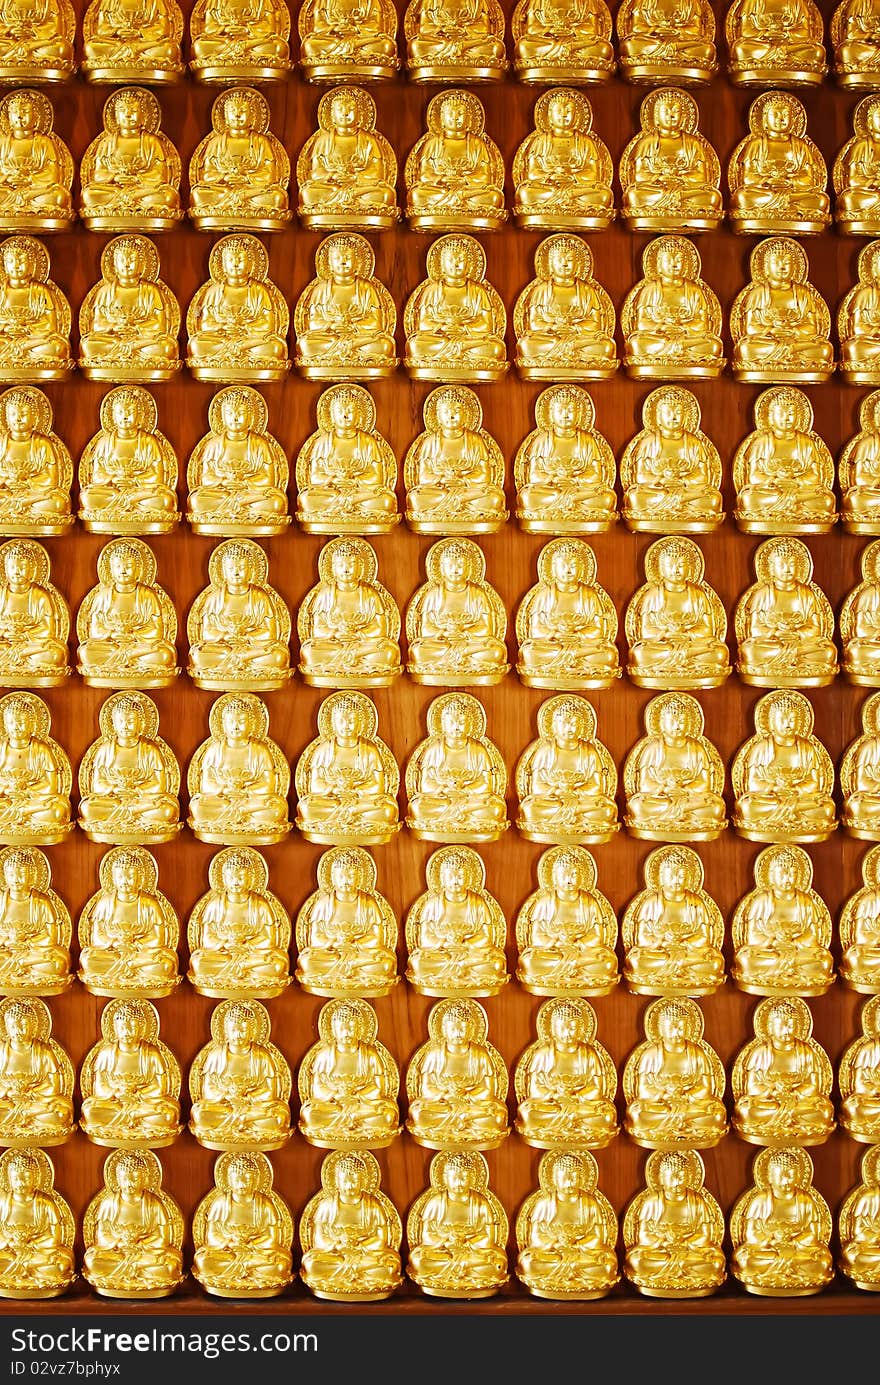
(564, 320)
(856, 173)
(348, 625)
(243, 1231)
(675, 623)
(346, 932)
(562, 41)
(454, 41)
(562, 171)
(128, 932)
(36, 168)
(673, 777)
(132, 41)
(566, 1231)
(671, 471)
(238, 627)
(781, 1228)
(782, 776)
(37, 467)
(35, 775)
(780, 324)
(34, 619)
(348, 1081)
(781, 1079)
(454, 322)
(346, 471)
(673, 1230)
(776, 174)
(347, 170)
(671, 320)
(783, 622)
(566, 930)
(130, 173)
(783, 471)
(347, 778)
(564, 469)
(673, 1082)
(781, 930)
(237, 322)
(775, 43)
(239, 173)
(34, 315)
(238, 779)
(669, 173)
(456, 931)
(345, 318)
(666, 41)
(36, 1077)
(673, 931)
(857, 319)
(130, 319)
(566, 625)
(857, 1227)
(454, 174)
(38, 41)
(126, 625)
(456, 1083)
(566, 779)
(350, 1233)
(858, 929)
(565, 1081)
(133, 1230)
(454, 470)
(36, 933)
(239, 40)
(128, 469)
(855, 42)
(238, 932)
(345, 40)
(129, 778)
(239, 1083)
(858, 776)
(456, 622)
(130, 1081)
(38, 1228)
(237, 473)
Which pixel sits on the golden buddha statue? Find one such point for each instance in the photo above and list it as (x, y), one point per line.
(775, 43)
(858, 1229)
(454, 470)
(784, 622)
(346, 931)
(673, 1082)
(856, 173)
(455, 321)
(129, 777)
(781, 1079)
(348, 1081)
(855, 41)
(456, 930)
(671, 320)
(130, 1081)
(238, 933)
(36, 41)
(566, 625)
(857, 1077)
(669, 173)
(239, 175)
(783, 471)
(132, 41)
(777, 175)
(781, 930)
(35, 926)
(566, 1231)
(456, 779)
(239, 1082)
(782, 776)
(858, 322)
(238, 627)
(345, 319)
(347, 778)
(130, 174)
(239, 41)
(348, 625)
(243, 1231)
(350, 1232)
(129, 321)
(34, 315)
(454, 174)
(456, 623)
(36, 470)
(780, 1228)
(456, 1083)
(562, 41)
(673, 777)
(346, 171)
(128, 470)
(37, 1228)
(564, 470)
(457, 1230)
(454, 41)
(562, 171)
(128, 930)
(239, 778)
(780, 324)
(675, 624)
(36, 167)
(35, 775)
(859, 777)
(566, 780)
(237, 473)
(671, 471)
(346, 472)
(345, 40)
(666, 41)
(564, 320)
(673, 931)
(34, 619)
(566, 931)
(673, 1230)
(859, 930)
(126, 625)
(237, 322)
(133, 1230)
(566, 1081)
(36, 1077)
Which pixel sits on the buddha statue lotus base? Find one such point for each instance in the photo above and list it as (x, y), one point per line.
(122, 373)
(235, 375)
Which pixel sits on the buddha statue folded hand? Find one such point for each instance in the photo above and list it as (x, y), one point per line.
(564, 470)
(348, 625)
(132, 41)
(455, 41)
(671, 471)
(855, 41)
(566, 625)
(781, 1079)
(128, 931)
(37, 41)
(666, 41)
(35, 926)
(675, 624)
(455, 320)
(674, 777)
(456, 1082)
(776, 174)
(345, 319)
(856, 173)
(346, 171)
(37, 1228)
(562, 41)
(34, 315)
(673, 931)
(35, 775)
(239, 174)
(671, 320)
(859, 776)
(858, 322)
(239, 41)
(350, 1233)
(857, 1079)
(455, 930)
(673, 1230)
(783, 471)
(775, 43)
(237, 322)
(130, 1081)
(346, 472)
(780, 324)
(859, 930)
(129, 321)
(239, 1082)
(564, 320)
(456, 623)
(36, 1077)
(566, 780)
(454, 174)
(781, 930)
(566, 1081)
(784, 622)
(346, 931)
(36, 167)
(454, 470)
(34, 619)
(457, 1231)
(669, 172)
(673, 1082)
(780, 1228)
(129, 777)
(126, 625)
(562, 171)
(859, 1227)
(345, 40)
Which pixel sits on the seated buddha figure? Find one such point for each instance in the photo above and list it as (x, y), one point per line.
(781, 1227)
(34, 619)
(562, 41)
(859, 1227)
(457, 1230)
(128, 930)
(781, 1079)
(780, 324)
(669, 172)
(855, 39)
(566, 1231)
(347, 171)
(239, 1082)
(129, 777)
(34, 315)
(566, 1081)
(133, 1230)
(345, 319)
(562, 171)
(130, 1081)
(346, 472)
(455, 320)
(859, 776)
(857, 1077)
(671, 471)
(455, 41)
(564, 320)
(454, 470)
(237, 322)
(348, 1081)
(566, 625)
(341, 40)
(347, 778)
(238, 628)
(350, 1232)
(456, 930)
(35, 775)
(456, 622)
(36, 1077)
(36, 469)
(37, 38)
(235, 41)
(674, 777)
(36, 168)
(673, 931)
(777, 175)
(784, 622)
(666, 41)
(132, 40)
(782, 776)
(237, 473)
(35, 926)
(566, 930)
(673, 1081)
(130, 173)
(238, 779)
(671, 320)
(456, 1083)
(775, 43)
(454, 174)
(673, 1230)
(566, 779)
(859, 930)
(130, 319)
(858, 322)
(564, 470)
(128, 470)
(346, 931)
(238, 933)
(783, 471)
(675, 624)
(781, 930)
(126, 625)
(348, 625)
(456, 779)
(239, 174)
(37, 1228)
(243, 1231)
(856, 173)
